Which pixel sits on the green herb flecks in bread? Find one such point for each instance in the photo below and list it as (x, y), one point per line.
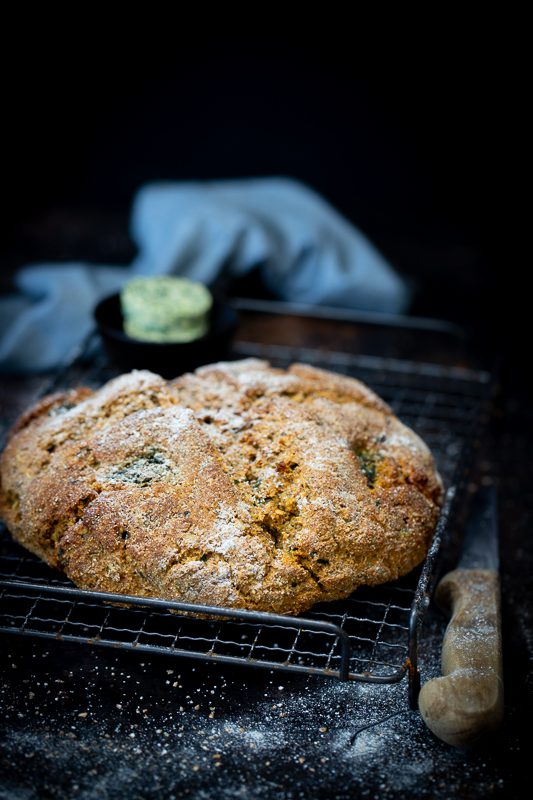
(239, 485)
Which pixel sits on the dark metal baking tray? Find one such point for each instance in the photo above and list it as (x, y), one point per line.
(371, 637)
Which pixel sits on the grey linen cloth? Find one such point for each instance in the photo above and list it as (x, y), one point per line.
(306, 251)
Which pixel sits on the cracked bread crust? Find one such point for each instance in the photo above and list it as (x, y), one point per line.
(239, 485)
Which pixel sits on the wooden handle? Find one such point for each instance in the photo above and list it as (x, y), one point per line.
(467, 701)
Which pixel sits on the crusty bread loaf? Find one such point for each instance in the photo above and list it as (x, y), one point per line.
(238, 485)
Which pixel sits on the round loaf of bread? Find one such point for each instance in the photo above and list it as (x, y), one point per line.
(239, 485)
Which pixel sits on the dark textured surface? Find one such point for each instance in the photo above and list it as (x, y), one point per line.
(93, 724)
(78, 721)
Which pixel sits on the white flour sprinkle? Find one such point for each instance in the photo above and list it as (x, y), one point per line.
(224, 733)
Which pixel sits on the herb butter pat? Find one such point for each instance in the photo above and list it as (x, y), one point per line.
(165, 309)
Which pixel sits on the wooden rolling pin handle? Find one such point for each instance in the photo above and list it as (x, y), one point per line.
(467, 701)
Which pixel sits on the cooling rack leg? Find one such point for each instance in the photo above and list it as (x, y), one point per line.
(412, 659)
(414, 686)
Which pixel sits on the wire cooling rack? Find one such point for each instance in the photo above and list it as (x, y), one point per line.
(372, 636)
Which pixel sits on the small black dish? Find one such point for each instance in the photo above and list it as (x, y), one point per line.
(168, 359)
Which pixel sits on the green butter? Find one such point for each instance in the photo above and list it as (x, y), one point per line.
(165, 309)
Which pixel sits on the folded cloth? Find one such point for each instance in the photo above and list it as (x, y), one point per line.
(40, 328)
(306, 251)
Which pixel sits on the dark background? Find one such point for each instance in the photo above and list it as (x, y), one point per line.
(419, 161)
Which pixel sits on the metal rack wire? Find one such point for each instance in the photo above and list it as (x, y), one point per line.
(372, 636)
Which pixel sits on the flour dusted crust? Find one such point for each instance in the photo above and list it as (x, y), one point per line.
(238, 485)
